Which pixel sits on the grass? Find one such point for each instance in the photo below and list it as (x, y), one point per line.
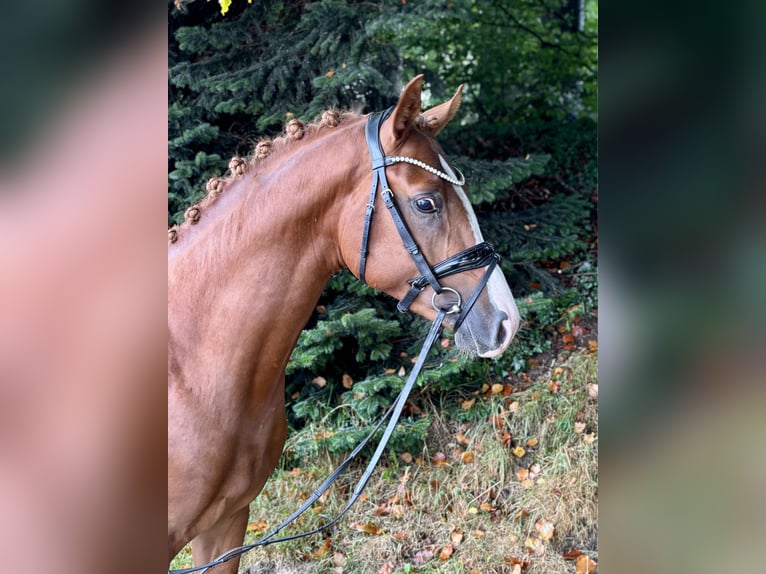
(471, 492)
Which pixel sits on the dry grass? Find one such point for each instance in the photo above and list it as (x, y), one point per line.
(474, 503)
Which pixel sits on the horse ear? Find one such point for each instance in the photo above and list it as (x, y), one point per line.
(439, 116)
(407, 109)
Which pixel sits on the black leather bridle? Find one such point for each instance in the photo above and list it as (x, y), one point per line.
(481, 255)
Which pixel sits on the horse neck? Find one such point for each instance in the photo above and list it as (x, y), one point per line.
(249, 275)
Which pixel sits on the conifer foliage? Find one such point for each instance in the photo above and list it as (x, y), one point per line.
(524, 137)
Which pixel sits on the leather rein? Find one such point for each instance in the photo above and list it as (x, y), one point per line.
(481, 255)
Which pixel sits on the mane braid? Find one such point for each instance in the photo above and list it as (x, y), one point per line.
(294, 130)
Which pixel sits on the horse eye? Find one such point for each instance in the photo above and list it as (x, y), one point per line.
(426, 205)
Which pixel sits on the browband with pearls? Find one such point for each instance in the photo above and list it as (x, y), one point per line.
(390, 160)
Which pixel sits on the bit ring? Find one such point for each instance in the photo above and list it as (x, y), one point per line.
(452, 307)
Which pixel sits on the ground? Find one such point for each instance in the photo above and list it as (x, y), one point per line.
(512, 490)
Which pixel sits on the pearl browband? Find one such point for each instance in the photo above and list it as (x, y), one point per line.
(390, 160)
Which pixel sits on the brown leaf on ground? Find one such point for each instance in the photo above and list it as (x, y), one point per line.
(369, 528)
(534, 546)
(519, 451)
(584, 564)
(387, 568)
(467, 404)
(446, 552)
(462, 439)
(456, 537)
(439, 459)
(423, 556)
(259, 526)
(467, 457)
(339, 559)
(347, 381)
(544, 529)
(323, 549)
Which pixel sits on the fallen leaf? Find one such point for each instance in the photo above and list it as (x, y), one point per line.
(584, 564)
(593, 346)
(400, 536)
(588, 438)
(498, 422)
(401, 372)
(456, 537)
(446, 552)
(522, 474)
(259, 526)
(506, 440)
(467, 404)
(444, 343)
(514, 407)
(579, 427)
(347, 381)
(478, 533)
(531, 443)
(557, 371)
(319, 382)
(496, 389)
(467, 457)
(544, 529)
(423, 556)
(339, 559)
(439, 459)
(571, 554)
(486, 506)
(535, 546)
(553, 387)
(369, 528)
(593, 390)
(330, 74)
(462, 439)
(323, 549)
(406, 457)
(519, 451)
(387, 568)
(516, 569)
(578, 330)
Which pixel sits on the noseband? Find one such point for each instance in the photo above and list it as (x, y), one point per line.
(481, 255)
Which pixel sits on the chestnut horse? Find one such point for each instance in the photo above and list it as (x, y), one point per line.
(246, 270)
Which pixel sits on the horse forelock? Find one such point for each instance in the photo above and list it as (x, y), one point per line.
(263, 153)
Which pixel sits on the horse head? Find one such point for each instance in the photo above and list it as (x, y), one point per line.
(441, 246)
